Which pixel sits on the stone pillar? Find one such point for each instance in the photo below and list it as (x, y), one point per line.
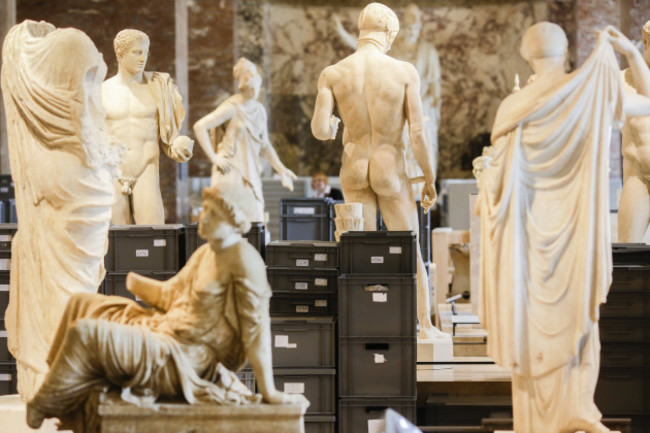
(7, 20)
(182, 180)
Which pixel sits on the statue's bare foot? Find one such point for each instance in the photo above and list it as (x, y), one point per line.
(430, 332)
(34, 416)
(586, 426)
(278, 397)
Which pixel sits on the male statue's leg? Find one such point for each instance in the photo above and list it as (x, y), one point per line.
(147, 200)
(122, 207)
(633, 210)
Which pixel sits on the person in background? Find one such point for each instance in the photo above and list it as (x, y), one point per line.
(322, 188)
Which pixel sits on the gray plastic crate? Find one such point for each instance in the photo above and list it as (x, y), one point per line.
(7, 233)
(302, 254)
(256, 236)
(115, 283)
(294, 304)
(306, 219)
(355, 413)
(313, 280)
(307, 342)
(318, 385)
(382, 252)
(5, 356)
(144, 248)
(8, 378)
(377, 305)
(320, 424)
(377, 367)
(4, 291)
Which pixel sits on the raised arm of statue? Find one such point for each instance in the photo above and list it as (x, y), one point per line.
(223, 113)
(638, 66)
(345, 36)
(324, 124)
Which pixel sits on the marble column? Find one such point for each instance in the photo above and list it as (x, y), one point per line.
(7, 20)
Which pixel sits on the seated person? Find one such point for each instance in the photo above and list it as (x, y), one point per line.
(322, 188)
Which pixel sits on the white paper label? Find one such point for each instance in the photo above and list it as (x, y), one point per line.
(376, 426)
(292, 345)
(281, 340)
(302, 262)
(395, 250)
(5, 377)
(5, 264)
(294, 387)
(304, 211)
(320, 257)
(4, 287)
(4, 189)
(3, 334)
(377, 259)
(320, 303)
(138, 299)
(142, 253)
(301, 285)
(379, 297)
(160, 242)
(5, 238)
(379, 358)
(302, 309)
(320, 282)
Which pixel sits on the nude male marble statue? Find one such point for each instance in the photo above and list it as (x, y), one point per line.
(63, 169)
(374, 108)
(411, 47)
(207, 321)
(546, 260)
(144, 113)
(236, 158)
(634, 206)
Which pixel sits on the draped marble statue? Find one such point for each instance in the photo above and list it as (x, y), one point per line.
(634, 206)
(412, 47)
(144, 113)
(62, 169)
(374, 108)
(545, 235)
(236, 158)
(207, 321)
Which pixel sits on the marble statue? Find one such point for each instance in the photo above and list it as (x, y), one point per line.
(63, 168)
(144, 113)
(374, 108)
(546, 258)
(208, 321)
(236, 158)
(410, 46)
(634, 206)
(349, 217)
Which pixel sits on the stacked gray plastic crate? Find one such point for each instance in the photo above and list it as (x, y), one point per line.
(303, 277)
(7, 362)
(377, 327)
(7, 200)
(307, 219)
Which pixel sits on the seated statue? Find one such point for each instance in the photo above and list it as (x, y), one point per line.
(207, 321)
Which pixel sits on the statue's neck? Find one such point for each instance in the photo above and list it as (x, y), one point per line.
(127, 78)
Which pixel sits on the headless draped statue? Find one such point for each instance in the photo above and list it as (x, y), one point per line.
(62, 169)
(207, 321)
(546, 259)
(144, 113)
(236, 159)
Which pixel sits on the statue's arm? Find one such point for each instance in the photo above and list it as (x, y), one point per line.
(324, 124)
(272, 157)
(147, 289)
(638, 66)
(219, 116)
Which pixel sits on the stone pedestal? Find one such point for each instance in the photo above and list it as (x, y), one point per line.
(12, 417)
(115, 416)
(435, 350)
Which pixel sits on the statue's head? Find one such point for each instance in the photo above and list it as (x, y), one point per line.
(412, 23)
(248, 79)
(132, 50)
(225, 211)
(378, 24)
(646, 42)
(543, 40)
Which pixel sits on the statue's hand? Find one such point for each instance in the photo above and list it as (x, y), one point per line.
(288, 177)
(279, 397)
(618, 40)
(223, 165)
(479, 165)
(334, 126)
(428, 196)
(182, 148)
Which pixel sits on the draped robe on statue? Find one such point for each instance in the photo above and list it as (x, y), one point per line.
(61, 166)
(545, 240)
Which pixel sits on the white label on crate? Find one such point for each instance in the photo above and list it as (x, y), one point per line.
(304, 211)
(302, 262)
(160, 242)
(320, 257)
(5, 377)
(395, 250)
(138, 298)
(281, 341)
(320, 282)
(5, 238)
(4, 189)
(320, 303)
(142, 253)
(4, 287)
(3, 334)
(292, 345)
(376, 426)
(301, 285)
(294, 387)
(5, 264)
(379, 358)
(377, 259)
(302, 309)
(379, 297)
